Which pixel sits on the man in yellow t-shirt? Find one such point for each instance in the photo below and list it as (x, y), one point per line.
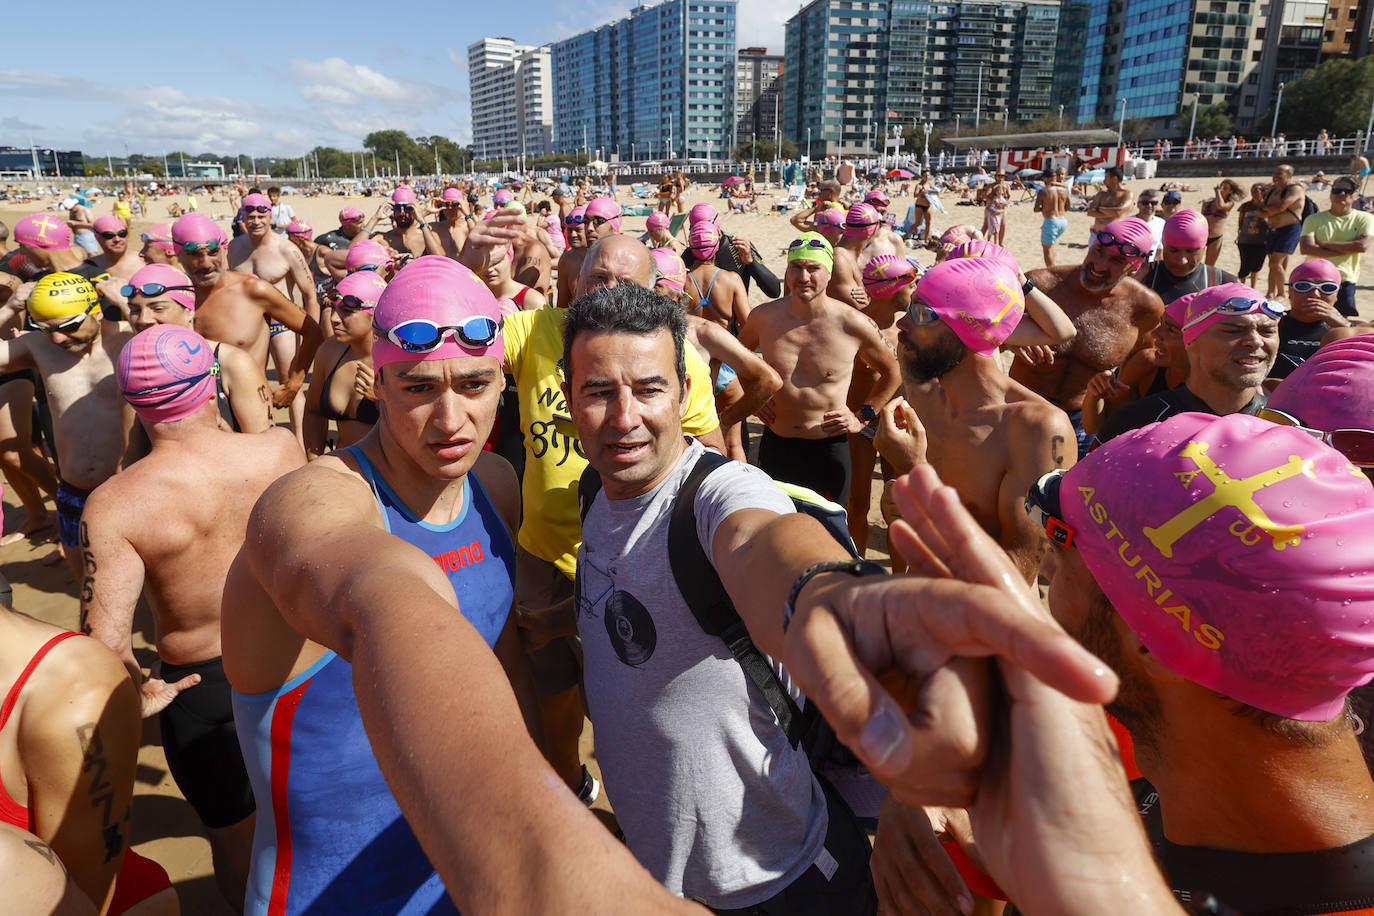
(551, 530)
(1340, 235)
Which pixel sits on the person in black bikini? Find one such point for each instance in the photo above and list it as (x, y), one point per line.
(350, 348)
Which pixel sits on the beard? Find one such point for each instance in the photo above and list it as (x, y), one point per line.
(1136, 705)
(934, 361)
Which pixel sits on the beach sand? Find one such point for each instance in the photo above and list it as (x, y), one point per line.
(164, 826)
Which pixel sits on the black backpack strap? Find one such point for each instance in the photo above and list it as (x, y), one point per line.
(588, 485)
(704, 593)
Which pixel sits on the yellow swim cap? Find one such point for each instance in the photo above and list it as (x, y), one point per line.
(62, 295)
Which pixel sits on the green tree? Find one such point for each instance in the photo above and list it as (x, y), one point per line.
(1334, 95)
(763, 150)
(1212, 121)
(391, 145)
(285, 168)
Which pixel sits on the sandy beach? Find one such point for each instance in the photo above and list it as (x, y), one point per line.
(164, 826)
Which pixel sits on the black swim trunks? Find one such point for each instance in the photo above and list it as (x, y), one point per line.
(202, 746)
(820, 464)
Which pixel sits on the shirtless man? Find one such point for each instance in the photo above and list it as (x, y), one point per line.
(986, 435)
(1052, 203)
(74, 351)
(160, 294)
(1112, 312)
(194, 491)
(231, 307)
(846, 284)
(885, 240)
(827, 198)
(273, 258)
(1282, 210)
(533, 265)
(1113, 202)
(116, 257)
(446, 235)
(812, 340)
(420, 499)
(407, 231)
(600, 219)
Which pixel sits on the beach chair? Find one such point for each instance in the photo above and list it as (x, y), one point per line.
(794, 199)
(675, 224)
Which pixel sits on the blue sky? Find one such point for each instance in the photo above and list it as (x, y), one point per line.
(271, 78)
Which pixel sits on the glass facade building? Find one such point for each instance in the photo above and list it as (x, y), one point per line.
(54, 162)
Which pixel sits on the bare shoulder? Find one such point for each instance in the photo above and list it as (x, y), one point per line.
(279, 442)
(75, 683)
(326, 493)
(1145, 304)
(1048, 278)
(501, 485)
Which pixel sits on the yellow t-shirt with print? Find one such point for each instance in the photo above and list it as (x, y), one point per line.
(554, 460)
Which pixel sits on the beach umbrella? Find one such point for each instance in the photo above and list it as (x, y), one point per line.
(979, 179)
(900, 173)
(1030, 173)
(732, 180)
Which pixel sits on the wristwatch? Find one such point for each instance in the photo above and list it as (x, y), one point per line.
(854, 567)
(1027, 286)
(869, 414)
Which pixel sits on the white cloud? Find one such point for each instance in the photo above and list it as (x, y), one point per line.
(332, 95)
(362, 80)
(761, 25)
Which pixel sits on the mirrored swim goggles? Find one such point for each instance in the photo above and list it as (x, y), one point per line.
(920, 313)
(1105, 239)
(212, 246)
(575, 220)
(420, 335)
(817, 244)
(257, 209)
(1240, 305)
(152, 289)
(1325, 287)
(1042, 505)
(351, 304)
(1357, 445)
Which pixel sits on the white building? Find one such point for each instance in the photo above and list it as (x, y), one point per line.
(511, 88)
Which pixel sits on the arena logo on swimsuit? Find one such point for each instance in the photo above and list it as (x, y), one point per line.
(454, 560)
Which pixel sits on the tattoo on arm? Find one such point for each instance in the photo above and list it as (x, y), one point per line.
(263, 395)
(88, 566)
(1057, 450)
(100, 791)
(43, 849)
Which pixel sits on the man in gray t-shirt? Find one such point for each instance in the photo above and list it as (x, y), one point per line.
(712, 798)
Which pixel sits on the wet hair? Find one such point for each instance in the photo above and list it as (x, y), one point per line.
(625, 309)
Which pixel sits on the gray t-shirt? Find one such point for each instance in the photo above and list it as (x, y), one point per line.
(713, 800)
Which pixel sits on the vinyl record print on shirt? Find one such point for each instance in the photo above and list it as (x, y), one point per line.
(630, 628)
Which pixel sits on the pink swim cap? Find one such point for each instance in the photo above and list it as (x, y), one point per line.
(299, 228)
(672, 273)
(367, 253)
(367, 285)
(702, 213)
(440, 290)
(43, 230)
(451, 194)
(167, 373)
(1178, 309)
(886, 274)
(1185, 229)
(1206, 300)
(607, 209)
(577, 213)
(161, 236)
(195, 227)
(704, 240)
(981, 248)
(1332, 389)
(1316, 269)
(108, 223)
(1239, 552)
(403, 195)
(877, 198)
(977, 298)
(257, 200)
(350, 215)
(657, 220)
(861, 221)
(169, 276)
(502, 197)
(953, 238)
(1133, 231)
(830, 218)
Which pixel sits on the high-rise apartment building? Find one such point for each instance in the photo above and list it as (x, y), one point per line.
(658, 84)
(856, 69)
(511, 89)
(757, 94)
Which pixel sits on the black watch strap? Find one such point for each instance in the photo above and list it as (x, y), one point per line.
(853, 567)
(1027, 286)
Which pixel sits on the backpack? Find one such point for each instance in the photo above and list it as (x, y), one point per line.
(1309, 206)
(705, 595)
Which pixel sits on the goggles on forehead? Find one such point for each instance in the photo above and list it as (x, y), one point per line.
(1325, 287)
(1357, 445)
(1042, 505)
(152, 289)
(1241, 305)
(1130, 249)
(420, 335)
(257, 208)
(817, 244)
(351, 303)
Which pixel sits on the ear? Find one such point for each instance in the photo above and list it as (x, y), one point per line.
(567, 393)
(686, 389)
(1154, 669)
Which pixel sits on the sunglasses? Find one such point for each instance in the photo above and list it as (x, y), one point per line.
(1149, 203)
(419, 335)
(213, 246)
(110, 235)
(1326, 287)
(1106, 240)
(817, 244)
(1342, 190)
(151, 289)
(1042, 505)
(257, 209)
(351, 304)
(921, 314)
(182, 385)
(1357, 445)
(402, 208)
(595, 221)
(1239, 305)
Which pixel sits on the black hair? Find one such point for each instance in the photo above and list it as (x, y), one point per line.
(274, 190)
(625, 309)
(1114, 171)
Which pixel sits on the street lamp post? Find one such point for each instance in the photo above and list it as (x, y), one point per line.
(978, 101)
(1061, 117)
(1121, 125)
(925, 153)
(956, 124)
(1278, 103)
(1192, 125)
(808, 139)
